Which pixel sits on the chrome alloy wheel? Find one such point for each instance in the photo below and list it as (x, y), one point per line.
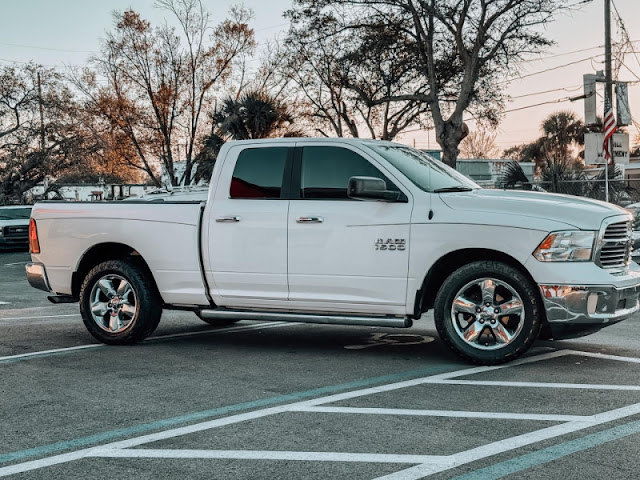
(487, 314)
(113, 303)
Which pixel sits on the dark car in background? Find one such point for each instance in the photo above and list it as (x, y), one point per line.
(14, 226)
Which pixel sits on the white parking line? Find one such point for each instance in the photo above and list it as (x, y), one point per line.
(447, 413)
(580, 386)
(40, 316)
(151, 339)
(512, 443)
(271, 455)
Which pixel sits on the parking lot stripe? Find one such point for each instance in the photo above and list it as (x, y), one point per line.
(40, 316)
(184, 419)
(446, 413)
(271, 455)
(579, 386)
(64, 351)
(552, 453)
(605, 356)
(508, 444)
(48, 353)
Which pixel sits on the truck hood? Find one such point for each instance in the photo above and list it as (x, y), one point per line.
(580, 212)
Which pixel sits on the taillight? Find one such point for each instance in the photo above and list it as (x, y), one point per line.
(34, 244)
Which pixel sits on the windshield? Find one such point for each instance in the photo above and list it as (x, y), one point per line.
(15, 213)
(423, 170)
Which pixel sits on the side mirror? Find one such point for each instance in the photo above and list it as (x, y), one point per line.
(370, 188)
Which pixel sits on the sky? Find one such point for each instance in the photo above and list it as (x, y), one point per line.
(66, 32)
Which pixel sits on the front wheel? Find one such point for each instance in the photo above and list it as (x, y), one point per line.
(487, 312)
(119, 302)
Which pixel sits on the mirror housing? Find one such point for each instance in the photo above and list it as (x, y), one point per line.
(371, 188)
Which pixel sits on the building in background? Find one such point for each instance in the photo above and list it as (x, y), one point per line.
(488, 172)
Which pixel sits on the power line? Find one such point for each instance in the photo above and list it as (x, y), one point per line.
(46, 48)
(566, 89)
(550, 69)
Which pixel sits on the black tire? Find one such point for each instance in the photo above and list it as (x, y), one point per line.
(450, 320)
(146, 311)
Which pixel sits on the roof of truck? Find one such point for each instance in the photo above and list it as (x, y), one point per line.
(311, 139)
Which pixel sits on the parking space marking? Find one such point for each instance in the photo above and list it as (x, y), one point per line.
(509, 444)
(552, 453)
(605, 356)
(431, 464)
(233, 419)
(446, 413)
(270, 455)
(63, 351)
(215, 412)
(46, 353)
(40, 316)
(497, 383)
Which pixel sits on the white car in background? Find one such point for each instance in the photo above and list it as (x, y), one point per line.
(14, 226)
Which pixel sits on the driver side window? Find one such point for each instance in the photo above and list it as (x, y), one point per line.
(326, 172)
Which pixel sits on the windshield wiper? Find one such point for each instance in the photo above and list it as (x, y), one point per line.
(453, 189)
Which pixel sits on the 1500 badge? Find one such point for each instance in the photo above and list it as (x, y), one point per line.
(391, 244)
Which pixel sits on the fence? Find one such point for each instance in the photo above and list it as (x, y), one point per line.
(621, 191)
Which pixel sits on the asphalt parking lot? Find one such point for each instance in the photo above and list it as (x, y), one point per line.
(287, 401)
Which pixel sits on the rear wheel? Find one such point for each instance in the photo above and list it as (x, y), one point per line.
(487, 312)
(119, 302)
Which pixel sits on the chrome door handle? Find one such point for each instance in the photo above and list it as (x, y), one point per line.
(228, 219)
(310, 220)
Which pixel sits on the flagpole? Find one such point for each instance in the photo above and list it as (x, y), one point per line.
(608, 90)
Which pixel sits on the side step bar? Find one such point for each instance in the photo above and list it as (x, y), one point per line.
(224, 314)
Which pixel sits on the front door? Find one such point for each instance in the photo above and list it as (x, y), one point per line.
(345, 255)
(248, 227)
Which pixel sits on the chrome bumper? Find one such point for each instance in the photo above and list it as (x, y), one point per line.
(589, 305)
(37, 276)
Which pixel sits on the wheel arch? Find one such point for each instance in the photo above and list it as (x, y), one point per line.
(450, 262)
(101, 253)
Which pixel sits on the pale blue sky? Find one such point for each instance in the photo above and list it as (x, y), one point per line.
(78, 25)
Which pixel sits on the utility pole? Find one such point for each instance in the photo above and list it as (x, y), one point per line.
(608, 88)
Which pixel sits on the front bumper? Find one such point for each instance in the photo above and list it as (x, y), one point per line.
(37, 276)
(573, 310)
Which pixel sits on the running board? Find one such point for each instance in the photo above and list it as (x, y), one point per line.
(224, 314)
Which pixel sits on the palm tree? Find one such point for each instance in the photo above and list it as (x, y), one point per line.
(254, 115)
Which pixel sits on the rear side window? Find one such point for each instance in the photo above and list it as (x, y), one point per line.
(326, 172)
(259, 172)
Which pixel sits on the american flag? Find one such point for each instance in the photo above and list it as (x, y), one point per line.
(609, 127)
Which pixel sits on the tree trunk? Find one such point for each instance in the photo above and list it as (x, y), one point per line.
(449, 135)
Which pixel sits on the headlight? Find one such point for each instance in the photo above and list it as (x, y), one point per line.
(572, 246)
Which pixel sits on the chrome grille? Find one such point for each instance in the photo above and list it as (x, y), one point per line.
(615, 247)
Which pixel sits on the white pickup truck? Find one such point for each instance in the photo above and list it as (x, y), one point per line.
(343, 231)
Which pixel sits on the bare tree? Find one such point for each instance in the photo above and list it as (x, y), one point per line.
(40, 133)
(344, 79)
(480, 143)
(160, 82)
(479, 41)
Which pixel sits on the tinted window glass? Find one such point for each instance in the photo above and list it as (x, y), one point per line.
(258, 173)
(15, 213)
(326, 172)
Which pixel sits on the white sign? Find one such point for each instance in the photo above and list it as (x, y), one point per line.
(594, 154)
(589, 81)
